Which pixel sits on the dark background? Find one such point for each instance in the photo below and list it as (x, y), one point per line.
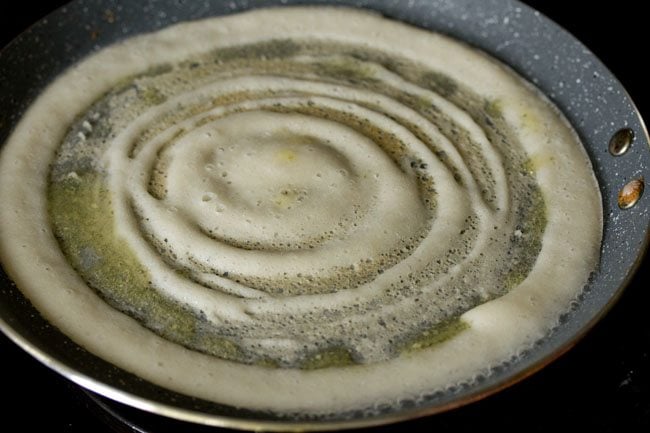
(601, 385)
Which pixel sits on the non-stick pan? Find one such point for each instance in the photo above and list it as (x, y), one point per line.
(578, 83)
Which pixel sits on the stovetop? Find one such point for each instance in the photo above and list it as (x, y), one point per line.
(601, 385)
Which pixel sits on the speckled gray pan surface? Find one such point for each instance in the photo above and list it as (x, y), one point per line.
(564, 70)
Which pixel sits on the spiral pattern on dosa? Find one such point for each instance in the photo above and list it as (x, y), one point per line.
(318, 197)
